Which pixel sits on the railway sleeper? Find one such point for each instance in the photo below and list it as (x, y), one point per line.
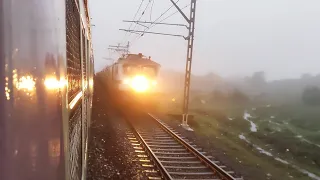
(137, 147)
(163, 146)
(160, 141)
(151, 171)
(169, 150)
(154, 178)
(208, 173)
(179, 162)
(135, 144)
(147, 165)
(139, 151)
(145, 160)
(160, 138)
(186, 167)
(163, 143)
(172, 153)
(142, 155)
(177, 158)
(190, 170)
(153, 133)
(197, 179)
(183, 162)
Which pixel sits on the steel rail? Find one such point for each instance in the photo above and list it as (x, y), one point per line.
(216, 169)
(222, 173)
(165, 174)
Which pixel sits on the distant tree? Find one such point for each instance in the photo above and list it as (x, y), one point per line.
(257, 79)
(311, 96)
(306, 76)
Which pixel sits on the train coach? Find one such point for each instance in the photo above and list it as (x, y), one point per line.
(46, 82)
(133, 77)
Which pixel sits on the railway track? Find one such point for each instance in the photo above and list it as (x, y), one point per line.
(164, 154)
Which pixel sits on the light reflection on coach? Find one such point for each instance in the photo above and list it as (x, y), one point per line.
(46, 104)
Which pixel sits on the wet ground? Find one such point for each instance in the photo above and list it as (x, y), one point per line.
(111, 155)
(212, 148)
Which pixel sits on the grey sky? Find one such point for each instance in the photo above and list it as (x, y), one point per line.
(233, 37)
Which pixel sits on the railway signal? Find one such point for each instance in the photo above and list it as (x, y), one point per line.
(190, 38)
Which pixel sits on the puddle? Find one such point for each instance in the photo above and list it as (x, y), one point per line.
(307, 141)
(253, 126)
(262, 151)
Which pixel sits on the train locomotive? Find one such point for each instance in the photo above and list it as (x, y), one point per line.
(133, 78)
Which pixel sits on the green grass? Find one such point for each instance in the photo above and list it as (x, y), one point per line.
(278, 133)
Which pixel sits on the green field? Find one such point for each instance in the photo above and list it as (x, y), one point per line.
(285, 143)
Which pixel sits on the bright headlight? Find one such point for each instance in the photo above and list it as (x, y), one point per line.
(140, 83)
(126, 81)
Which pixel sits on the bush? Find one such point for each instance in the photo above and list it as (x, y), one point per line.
(311, 96)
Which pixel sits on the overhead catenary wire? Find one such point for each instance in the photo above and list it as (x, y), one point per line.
(171, 15)
(138, 37)
(125, 36)
(154, 23)
(143, 12)
(160, 16)
(151, 9)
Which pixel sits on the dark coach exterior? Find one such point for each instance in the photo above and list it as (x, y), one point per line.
(46, 89)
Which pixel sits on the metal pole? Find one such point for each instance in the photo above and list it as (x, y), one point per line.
(188, 64)
(190, 39)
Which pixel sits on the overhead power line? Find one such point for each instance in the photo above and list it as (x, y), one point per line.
(160, 22)
(138, 37)
(133, 19)
(176, 35)
(151, 9)
(143, 12)
(172, 14)
(148, 22)
(152, 25)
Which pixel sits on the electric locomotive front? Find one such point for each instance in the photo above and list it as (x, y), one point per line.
(135, 74)
(133, 79)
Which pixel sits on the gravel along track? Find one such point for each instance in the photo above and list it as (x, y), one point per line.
(111, 155)
(166, 155)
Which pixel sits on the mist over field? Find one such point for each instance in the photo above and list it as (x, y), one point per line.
(254, 86)
(271, 123)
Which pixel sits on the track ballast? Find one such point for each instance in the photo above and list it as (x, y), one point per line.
(164, 154)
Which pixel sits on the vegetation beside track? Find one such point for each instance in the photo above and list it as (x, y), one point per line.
(288, 132)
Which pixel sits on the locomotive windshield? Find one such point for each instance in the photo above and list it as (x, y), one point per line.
(131, 70)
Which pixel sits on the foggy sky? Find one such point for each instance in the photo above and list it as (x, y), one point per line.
(232, 37)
